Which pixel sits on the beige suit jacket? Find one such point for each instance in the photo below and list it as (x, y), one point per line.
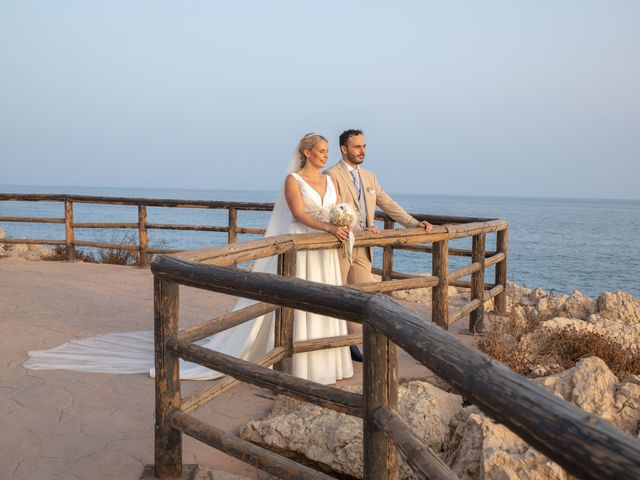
(373, 195)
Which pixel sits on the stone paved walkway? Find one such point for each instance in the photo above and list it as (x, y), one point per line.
(70, 425)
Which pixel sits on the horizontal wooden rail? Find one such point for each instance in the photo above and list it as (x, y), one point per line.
(149, 202)
(288, 292)
(464, 271)
(422, 281)
(282, 383)
(591, 447)
(224, 322)
(280, 467)
(453, 252)
(105, 225)
(422, 460)
(198, 399)
(112, 246)
(495, 258)
(29, 241)
(32, 219)
(196, 228)
(324, 343)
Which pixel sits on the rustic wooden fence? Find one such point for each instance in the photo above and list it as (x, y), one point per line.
(144, 250)
(582, 443)
(141, 246)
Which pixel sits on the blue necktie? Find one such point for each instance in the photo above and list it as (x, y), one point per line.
(356, 182)
(362, 206)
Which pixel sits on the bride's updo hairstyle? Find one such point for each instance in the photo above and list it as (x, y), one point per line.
(306, 143)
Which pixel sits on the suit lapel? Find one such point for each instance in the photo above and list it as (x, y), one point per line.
(348, 180)
(369, 199)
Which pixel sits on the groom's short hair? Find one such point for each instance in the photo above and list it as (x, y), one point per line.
(347, 134)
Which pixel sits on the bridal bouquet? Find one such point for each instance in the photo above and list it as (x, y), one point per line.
(341, 215)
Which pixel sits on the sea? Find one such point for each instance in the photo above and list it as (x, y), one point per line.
(557, 244)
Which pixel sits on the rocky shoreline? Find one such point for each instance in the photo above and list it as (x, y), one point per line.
(473, 445)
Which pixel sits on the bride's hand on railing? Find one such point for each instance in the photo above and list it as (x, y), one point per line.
(341, 233)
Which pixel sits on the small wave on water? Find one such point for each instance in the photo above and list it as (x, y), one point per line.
(555, 244)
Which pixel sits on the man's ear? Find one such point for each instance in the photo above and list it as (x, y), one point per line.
(343, 149)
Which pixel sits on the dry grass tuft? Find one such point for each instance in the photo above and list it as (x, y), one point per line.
(555, 350)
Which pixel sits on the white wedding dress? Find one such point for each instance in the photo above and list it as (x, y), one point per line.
(133, 352)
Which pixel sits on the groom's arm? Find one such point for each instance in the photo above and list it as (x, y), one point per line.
(395, 211)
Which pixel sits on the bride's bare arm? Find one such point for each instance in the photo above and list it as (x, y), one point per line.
(296, 205)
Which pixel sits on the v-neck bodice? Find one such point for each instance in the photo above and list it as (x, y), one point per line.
(312, 198)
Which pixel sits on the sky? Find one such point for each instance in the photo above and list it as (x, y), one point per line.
(528, 98)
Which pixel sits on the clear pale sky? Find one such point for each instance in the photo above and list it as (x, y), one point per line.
(528, 98)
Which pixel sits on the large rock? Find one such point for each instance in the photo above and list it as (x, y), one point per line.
(27, 251)
(479, 448)
(335, 440)
(595, 389)
(619, 306)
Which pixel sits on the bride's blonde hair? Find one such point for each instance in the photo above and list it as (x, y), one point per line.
(306, 143)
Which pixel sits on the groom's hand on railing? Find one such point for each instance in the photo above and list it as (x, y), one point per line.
(426, 225)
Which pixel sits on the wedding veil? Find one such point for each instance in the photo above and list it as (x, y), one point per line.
(133, 352)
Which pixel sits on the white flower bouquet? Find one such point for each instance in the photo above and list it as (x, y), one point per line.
(340, 215)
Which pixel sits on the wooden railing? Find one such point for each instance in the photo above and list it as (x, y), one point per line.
(145, 250)
(142, 225)
(582, 443)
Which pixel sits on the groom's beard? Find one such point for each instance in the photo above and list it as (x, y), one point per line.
(354, 159)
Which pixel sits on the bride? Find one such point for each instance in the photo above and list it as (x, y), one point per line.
(305, 190)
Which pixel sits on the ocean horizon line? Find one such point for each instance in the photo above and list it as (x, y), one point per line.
(274, 192)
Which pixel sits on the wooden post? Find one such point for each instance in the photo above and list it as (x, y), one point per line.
(233, 225)
(387, 252)
(168, 441)
(502, 240)
(440, 293)
(284, 316)
(477, 284)
(143, 236)
(380, 387)
(68, 228)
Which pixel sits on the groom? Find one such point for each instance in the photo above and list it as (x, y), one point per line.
(360, 188)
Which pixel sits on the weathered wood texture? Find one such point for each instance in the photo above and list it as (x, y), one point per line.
(387, 253)
(283, 334)
(143, 236)
(200, 398)
(476, 317)
(380, 386)
(422, 281)
(168, 441)
(279, 382)
(280, 467)
(324, 343)
(68, 229)
(423, 461)
(333, 301)
(502, 241)
(584, 444)
(440, 293)
(225, 322)
(233, 226)
(32, 219)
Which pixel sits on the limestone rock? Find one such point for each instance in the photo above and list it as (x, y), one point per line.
(627, 407)
(335, 439)
(27, 251)
(619, 306)
(480, 448)
(576, 305)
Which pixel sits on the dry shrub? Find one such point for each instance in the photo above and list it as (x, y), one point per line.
(115, 256)
(557, 349)
(568, 345)
(501, 340)
(60, 255)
